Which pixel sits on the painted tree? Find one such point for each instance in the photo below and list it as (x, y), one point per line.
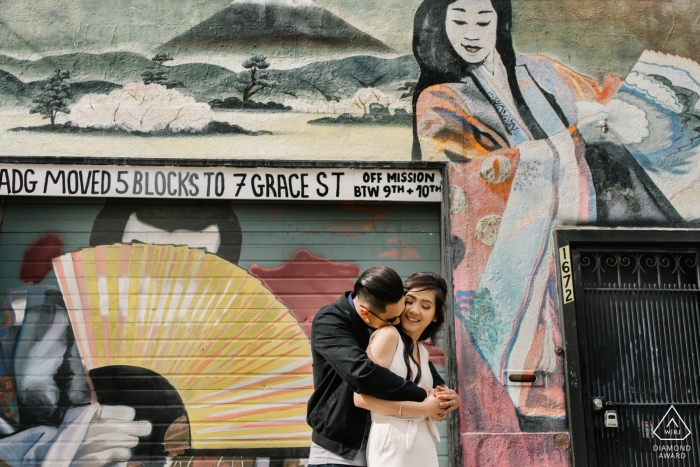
(256, 81)
(53, 97)
(364, 97)
(409, 87)
(158, 73)
(146, 108)
(162, 58)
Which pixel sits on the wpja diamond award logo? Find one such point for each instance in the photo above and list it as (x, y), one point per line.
(672, 428)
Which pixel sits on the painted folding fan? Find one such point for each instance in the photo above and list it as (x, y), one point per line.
(236, 356)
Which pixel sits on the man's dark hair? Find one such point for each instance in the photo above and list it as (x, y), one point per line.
(378, 287)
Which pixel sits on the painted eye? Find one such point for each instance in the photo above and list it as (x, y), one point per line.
(459, 22)
(484, 23)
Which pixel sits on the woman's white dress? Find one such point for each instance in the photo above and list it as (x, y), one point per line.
(404, 441)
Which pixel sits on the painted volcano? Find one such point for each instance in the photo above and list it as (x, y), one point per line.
(275, 28)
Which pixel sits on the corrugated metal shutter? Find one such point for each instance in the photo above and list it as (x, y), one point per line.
(211, 348)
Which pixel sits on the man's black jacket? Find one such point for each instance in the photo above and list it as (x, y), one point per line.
(339, 340)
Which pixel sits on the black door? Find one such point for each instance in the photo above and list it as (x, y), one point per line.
(638, 332)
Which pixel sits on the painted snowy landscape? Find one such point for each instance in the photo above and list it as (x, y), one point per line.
(272, 79)
(244, 82)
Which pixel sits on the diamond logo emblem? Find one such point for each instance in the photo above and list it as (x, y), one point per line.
(672, 427)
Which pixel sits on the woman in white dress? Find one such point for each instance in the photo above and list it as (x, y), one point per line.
(403, 434)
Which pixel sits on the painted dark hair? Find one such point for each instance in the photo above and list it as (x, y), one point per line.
(439, 62)
(420, 282)
(170, 215)
(379, 286)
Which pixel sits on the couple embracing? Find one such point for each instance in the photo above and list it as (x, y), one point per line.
(376, 395)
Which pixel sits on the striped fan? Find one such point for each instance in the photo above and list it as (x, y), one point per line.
(237, 357)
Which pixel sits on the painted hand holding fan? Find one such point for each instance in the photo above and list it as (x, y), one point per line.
(238, 359)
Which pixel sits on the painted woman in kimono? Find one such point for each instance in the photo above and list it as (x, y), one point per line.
(522, 163)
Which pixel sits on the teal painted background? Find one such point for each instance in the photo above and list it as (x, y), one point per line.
(272, 233)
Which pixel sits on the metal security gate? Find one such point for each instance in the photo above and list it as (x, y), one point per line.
(636, 314)
(303, 255)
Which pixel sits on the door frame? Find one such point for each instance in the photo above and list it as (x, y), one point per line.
(598, 237)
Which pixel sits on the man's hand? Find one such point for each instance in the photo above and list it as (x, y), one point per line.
(450, 399)
(432, 406)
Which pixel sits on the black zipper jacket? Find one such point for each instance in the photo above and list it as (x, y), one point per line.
(339, 340)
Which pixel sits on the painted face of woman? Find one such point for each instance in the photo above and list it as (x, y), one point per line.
(471, 28)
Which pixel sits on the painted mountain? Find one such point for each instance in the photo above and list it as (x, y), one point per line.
(322, 81)
(276, 28)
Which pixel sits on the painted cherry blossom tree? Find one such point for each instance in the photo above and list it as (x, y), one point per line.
(142, 108)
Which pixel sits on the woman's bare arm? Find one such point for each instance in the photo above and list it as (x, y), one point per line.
(381, 350)
(382, 345)
(430, 407)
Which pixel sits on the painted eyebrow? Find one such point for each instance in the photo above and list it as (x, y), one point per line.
(480, 13)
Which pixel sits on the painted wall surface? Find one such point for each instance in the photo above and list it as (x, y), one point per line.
(586, 115)
(533, 144)
(200, 350)
(324, 59)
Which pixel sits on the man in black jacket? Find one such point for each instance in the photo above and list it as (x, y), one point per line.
(339, 338)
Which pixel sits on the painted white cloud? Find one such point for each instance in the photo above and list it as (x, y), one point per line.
(628, 122)
(682, 72)
(655, 90)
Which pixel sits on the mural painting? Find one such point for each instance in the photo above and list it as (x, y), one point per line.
(548, 113)
(262, 78)
(533, 145)
(167, 355)
(269, 78)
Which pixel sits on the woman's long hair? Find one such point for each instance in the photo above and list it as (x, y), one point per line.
(419, 282)
(439, 62)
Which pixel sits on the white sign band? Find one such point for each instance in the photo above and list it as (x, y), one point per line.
(262, 183)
